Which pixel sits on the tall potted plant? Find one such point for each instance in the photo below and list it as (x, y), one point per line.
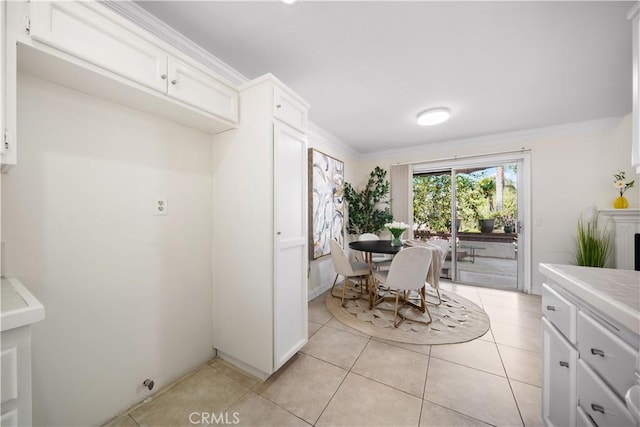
(593, 245)
(369, 209)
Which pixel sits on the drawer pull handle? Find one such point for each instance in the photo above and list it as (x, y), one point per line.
(551, 308)
(565, 364)
(597, 352)
(597, 408)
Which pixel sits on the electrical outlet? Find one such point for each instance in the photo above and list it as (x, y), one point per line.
(160, 206)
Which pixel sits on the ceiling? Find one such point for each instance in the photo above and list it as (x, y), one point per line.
(369, 67)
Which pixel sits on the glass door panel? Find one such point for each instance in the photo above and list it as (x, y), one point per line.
(485, 204)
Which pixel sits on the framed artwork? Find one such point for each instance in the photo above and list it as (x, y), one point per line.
(326, 202)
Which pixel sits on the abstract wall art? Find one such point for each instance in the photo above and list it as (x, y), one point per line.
(326, 202)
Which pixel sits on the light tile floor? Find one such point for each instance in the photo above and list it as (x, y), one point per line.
(343, 377)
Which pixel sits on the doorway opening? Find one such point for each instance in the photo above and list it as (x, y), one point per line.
(479, 208)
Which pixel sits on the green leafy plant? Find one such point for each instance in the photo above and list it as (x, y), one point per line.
(593, 245)
(369, 209)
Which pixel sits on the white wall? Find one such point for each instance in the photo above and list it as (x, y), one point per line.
(572, 169)
(321, 270)
(127, 295)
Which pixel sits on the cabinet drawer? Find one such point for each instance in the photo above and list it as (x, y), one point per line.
(607, 354)
(82, 32)
(289, 109)
(598, 401)
(583, 420)
(560, 312)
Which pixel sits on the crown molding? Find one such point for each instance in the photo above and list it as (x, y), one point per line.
(144, 19)
(332, 140)
(515, 137)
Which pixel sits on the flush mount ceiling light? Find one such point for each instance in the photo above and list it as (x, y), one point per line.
(289, 1)
(433, 116)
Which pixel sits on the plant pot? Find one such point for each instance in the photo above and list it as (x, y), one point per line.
(508, 229)
(486, 225)
(621, 203)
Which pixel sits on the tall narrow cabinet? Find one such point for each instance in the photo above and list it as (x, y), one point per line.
(260, 228)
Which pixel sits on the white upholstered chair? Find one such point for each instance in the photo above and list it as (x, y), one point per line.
(378, 260)
(345, 268)
(406, 273)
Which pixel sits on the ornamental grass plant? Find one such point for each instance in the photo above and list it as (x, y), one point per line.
(593, 244)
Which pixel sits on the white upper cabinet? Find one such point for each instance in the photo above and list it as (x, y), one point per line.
(202, 90)
(76, 29)
(69, 40)
(290, 110)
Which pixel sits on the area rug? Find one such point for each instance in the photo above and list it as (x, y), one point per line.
(455, 320)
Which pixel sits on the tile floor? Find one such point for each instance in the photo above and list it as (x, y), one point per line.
(343, 377)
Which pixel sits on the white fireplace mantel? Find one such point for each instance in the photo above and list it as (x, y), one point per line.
(624, 223)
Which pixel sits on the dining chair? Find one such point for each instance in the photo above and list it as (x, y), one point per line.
(345, 268)
(406, 273)
(381, 260)
(444, 250)
(433, 275)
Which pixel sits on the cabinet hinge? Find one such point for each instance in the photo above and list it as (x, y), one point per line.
(26, 22)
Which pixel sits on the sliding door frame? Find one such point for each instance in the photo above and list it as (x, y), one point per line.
(523, 159)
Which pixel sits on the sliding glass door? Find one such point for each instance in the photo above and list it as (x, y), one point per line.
(485, 205)
(478, 207)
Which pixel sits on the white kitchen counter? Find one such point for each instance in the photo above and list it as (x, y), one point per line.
(19, 306)
(613, 292)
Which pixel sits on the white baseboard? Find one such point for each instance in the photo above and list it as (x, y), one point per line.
(319, 290)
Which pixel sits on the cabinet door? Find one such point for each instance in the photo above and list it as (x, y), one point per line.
(559, 379)
(202, 90)
(288, 109)
(290, 281)
(77, 29)
(3, 37)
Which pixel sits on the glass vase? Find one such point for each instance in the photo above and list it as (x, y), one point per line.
(621, 203)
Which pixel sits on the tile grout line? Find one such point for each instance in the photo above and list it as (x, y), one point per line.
(343, 380)
(510, 387)
(473, 417)
(424, 386)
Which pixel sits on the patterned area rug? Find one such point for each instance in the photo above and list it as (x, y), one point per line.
(455, 320)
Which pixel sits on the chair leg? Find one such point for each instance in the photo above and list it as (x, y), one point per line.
(395, 313)
(373, 294)
(334, 285)
(424, 304)
(344, 288)
(422, 307)
(439, 297)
